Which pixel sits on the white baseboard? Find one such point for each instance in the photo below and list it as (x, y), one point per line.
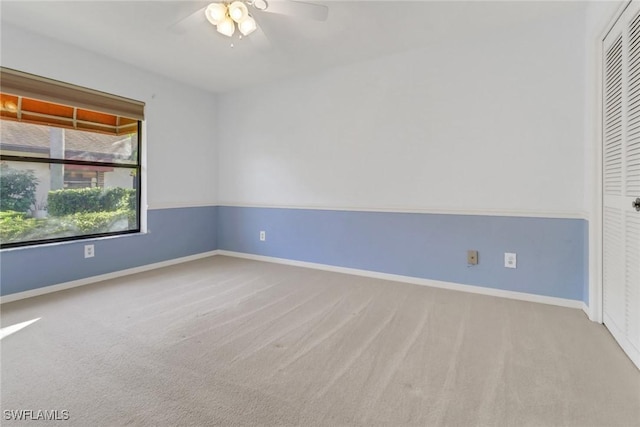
(562, 302)
(102, 277)
(586, 310)
(354, 271)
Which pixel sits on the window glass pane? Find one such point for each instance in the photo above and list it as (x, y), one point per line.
(30, 140)
(40, 201)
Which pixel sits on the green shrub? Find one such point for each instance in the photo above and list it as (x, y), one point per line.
(68, 202)
(119, 198)
(17, 189)
(6, 215)
(97, 222)
(133, 218)
(114, 199)
(15, 225)
(132, 200)
(74, 212)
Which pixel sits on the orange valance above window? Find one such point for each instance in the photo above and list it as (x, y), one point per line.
(32, 99)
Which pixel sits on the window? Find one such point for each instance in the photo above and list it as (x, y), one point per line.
(69, 161)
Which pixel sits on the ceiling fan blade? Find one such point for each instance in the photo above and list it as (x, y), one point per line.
(298, 9)
(189, 22)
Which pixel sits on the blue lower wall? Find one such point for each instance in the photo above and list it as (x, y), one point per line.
(551, 252)
(174, 233)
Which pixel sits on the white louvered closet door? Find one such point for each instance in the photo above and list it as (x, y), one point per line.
(621, 181)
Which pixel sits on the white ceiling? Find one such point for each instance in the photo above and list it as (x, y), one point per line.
(137, 32)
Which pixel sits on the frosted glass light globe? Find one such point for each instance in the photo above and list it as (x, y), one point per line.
(226, 27)
(215, 13)
(238, 11)
(247, 26)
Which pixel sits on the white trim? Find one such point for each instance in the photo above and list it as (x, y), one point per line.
(613, 20)
(595, 224)
(596, 306)
(79, 240)
(585, 308)
(562, 302)
(143, 178)
(345, 270)
(401, 209)
(102, 277)
(175, 205)
(630, 350)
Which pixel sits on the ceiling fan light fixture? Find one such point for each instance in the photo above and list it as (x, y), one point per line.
(260, 4)
(247, 26)
(238, 11)
(226, 27)
(216, 13)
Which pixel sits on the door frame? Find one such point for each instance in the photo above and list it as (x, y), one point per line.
(595, 308)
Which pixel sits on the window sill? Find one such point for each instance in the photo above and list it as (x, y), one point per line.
(75, 242)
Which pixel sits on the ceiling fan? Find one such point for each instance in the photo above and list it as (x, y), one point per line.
(227, 16)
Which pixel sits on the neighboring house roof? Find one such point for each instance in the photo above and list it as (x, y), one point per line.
(30, 138)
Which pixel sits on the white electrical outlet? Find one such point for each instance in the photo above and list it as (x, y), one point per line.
(89, 251)
(510, 260)
(263, 236)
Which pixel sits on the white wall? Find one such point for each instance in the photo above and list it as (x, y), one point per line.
(483, 122)
(488, 122)
(180, 120)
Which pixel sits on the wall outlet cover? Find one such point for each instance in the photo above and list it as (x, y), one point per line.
(510, 260)
(472, 257)
(89, 251)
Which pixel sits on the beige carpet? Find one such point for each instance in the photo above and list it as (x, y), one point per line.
(224, 341)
